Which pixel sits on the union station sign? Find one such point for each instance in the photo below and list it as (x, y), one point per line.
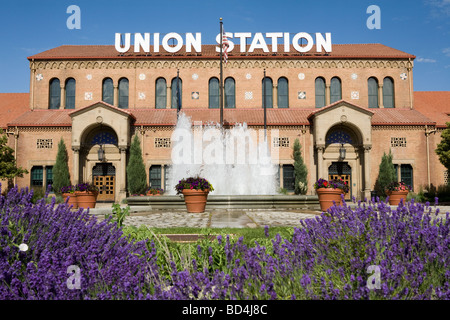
(269, 42)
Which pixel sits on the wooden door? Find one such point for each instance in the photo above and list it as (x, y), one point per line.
(106, 187)
(341, 170)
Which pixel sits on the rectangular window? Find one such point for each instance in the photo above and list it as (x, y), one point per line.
(288, 177)
(155, 176)
(37, 176)
(406, 173)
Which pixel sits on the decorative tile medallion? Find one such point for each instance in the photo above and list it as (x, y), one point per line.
(302, 95)
(141, 96)
(301, 76)
(403, 76)
(195, 95)
(249, 95)
(39, 77)
(354, 76)
(88, 96)
(355, 95)
(142, 76)
(194, 76)
(248, 76)
(89, 77)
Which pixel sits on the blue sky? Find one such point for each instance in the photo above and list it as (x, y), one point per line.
(419, 27)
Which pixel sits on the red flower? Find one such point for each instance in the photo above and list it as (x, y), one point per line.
(325, 183)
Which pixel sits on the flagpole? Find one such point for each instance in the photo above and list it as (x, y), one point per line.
(176, 93)
(221, 75)
(264, 103)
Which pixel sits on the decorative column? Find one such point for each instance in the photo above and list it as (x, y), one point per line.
(116, 95)
(63, 96)
(281, 176)
(169, 96)
(275, 96)
(44, 177)
(367, 182)
(320, 173)
(327, 94)
(76, 165)
(123, 173)
(380, 96)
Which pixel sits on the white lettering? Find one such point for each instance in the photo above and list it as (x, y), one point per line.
(307, 37)
(243, 42)
(274, 36)
(127, 44)
(258, 43)
(74, 21)
(177, 47)
(156, 42)
(323, 43)
(196, 42)
(140, 42)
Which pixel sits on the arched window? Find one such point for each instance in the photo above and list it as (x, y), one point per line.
(372, 86)
(123, 93)
(269, 92)
(161, 93)
(320, 92)
(388, 93)
(108, 91)
(55, 94)
(230, 93)
(335, 90)
(283, 93)
(175, 88)
(70, 93)
(214, 96)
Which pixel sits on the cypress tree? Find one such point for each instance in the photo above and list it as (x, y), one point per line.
(443, 148)
(61, 175)
(300, 170)
(136, 175)
(386, 174)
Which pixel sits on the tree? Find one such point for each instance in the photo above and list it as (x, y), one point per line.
(300, 170)
(61, 175)
(443, 148)
(386, 174)
(136, 176)
(8, 166)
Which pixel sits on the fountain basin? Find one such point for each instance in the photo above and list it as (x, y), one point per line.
(230, 202)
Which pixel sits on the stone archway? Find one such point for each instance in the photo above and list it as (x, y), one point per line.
(86, 123)
(354, 123)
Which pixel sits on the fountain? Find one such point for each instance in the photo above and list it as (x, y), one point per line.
(237, 161)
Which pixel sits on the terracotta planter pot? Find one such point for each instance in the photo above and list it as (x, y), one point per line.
(72, 199)
(195, 200)
(86, 199)
(396, 196)
(327, 196)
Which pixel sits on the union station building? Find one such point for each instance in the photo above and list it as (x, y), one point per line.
(359, 97)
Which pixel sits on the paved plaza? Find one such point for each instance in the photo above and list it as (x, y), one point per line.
(218, 218)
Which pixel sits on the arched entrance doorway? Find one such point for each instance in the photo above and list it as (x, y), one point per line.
(100, 156)
(348, 168)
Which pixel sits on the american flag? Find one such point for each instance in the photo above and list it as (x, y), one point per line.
(225, 46)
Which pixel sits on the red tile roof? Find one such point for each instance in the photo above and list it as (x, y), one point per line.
(167, 117)
(12, 105)
(340, 51)
(434, 104)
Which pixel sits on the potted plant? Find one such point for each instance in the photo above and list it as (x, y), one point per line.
(69, 192)
(86, 195)
(329, 191)
(195, 191)
(397, 191)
